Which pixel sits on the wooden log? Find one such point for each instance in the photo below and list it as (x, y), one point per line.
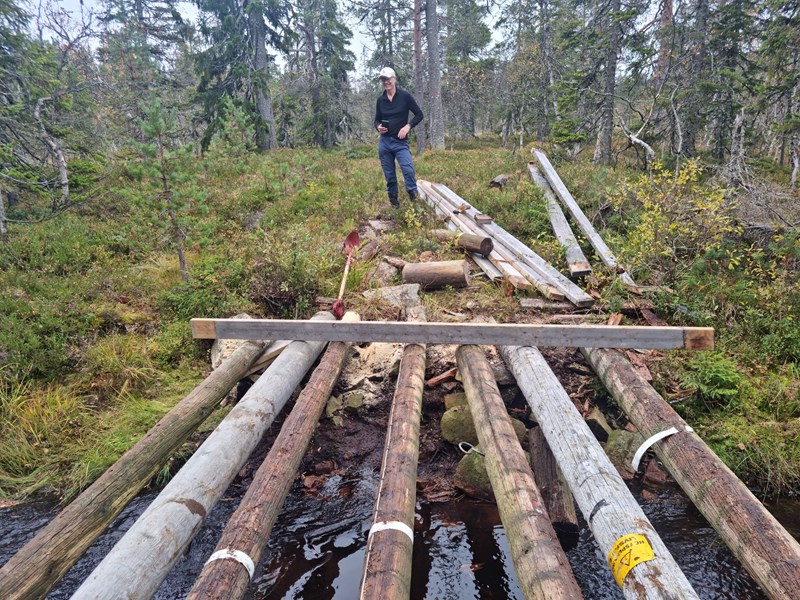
(40, 564)
(460, 224)
(600, 247)
(387, 561)
(618, 523)
(541, 566)
(519, 275)
(248, 529)
(526, 256)
(439, 274)
(768, 552)
(552, 485)
(139, 562)
(576, 260)
(470, 242)
(576, 336)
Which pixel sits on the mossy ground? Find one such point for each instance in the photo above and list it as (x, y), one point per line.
(94, 334)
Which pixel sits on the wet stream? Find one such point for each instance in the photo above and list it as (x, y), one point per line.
(316, 550)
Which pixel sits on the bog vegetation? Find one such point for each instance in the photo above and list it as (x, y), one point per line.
(155, 170)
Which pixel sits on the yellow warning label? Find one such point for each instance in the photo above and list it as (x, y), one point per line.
(627, 552)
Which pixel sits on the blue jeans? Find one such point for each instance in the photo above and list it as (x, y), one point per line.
(389, 150)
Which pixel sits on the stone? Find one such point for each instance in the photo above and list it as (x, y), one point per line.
(453, 400)
(471, 477)
(620, 448)
(382, 274)
(458, 426)
(403, 296)
(354, 401)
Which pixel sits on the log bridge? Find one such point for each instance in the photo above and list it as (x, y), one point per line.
(638, 559)
(570, 467)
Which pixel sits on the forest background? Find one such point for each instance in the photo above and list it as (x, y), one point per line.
(156, 169)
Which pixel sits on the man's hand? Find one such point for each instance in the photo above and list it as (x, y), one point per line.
(404, 131)
(382, 129)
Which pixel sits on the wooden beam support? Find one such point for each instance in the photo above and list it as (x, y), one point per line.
(551, 483)
(387, 560)
(768, 552)
(638, 558)
(139, 562)
(39, 565)
(249, 527)
(541, 566)
(524, 255)
(577, 336)
(600, 247)
(458, 222)
(576, 260)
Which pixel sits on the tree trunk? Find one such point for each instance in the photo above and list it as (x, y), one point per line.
(419, 72)
(665, 43)
(249, 527)
(602, 152)
(3, 227)
(387, 561)
(468, 241)
(265, 126)
(434, 76)
(610, 510)
(140, 561)
(768, 552)
(433, 275)
(693, 110)
(37, 567)
(58, 154)
(541, 566)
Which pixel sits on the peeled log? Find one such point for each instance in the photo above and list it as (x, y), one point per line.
(469, 241)
(387, 561)
(768, 552)
(249, 527)
(541, 566)
(602, 496)
(38, 566)
(432, 275)
(139, 562)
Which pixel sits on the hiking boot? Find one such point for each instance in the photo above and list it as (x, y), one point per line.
(412, 195)
(394, 201)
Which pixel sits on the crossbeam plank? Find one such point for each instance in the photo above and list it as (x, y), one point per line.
(505, 334)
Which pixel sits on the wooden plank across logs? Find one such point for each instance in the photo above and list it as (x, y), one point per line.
(577, 336)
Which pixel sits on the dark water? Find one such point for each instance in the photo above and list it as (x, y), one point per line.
(316, 550)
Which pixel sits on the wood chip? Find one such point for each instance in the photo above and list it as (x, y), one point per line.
(446, 376)
(615, 319)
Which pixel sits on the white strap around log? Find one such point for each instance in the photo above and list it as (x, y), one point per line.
(237, 555)
(396, 525)
(652, 440)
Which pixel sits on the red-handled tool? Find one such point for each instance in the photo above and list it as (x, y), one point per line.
(351, 242)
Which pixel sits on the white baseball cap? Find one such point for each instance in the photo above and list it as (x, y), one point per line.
(387, 73)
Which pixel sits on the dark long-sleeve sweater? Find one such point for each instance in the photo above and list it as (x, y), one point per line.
(394, 113)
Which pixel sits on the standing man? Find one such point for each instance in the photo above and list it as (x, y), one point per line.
(391, 121)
